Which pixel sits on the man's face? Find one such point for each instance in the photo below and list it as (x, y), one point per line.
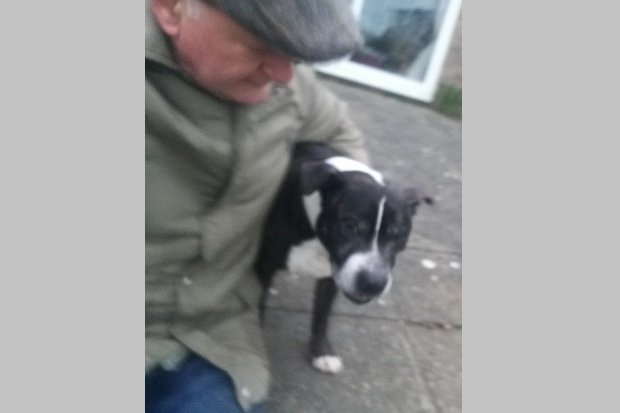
(223, 57)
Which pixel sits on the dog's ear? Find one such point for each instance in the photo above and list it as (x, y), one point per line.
(314, 174)
(415, 197)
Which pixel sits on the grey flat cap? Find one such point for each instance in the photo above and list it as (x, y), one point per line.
(310, 30)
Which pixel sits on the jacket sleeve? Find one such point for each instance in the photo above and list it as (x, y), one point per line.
(325, 118)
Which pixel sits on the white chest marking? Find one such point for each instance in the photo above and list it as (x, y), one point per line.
(312, 204)
(349, 165)
(309, 259)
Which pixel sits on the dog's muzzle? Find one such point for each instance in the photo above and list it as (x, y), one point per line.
(365, 286)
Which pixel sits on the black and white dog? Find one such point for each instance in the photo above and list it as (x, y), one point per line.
(339, 221)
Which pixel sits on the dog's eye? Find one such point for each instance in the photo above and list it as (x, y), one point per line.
(352, 227)
(349, 227)
(398, 234)
(393, 231)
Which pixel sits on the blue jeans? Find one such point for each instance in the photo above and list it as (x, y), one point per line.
(196, 386)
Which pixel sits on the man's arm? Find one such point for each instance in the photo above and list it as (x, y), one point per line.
(326, 117)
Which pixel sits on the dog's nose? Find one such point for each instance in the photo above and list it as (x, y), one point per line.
(370, 284)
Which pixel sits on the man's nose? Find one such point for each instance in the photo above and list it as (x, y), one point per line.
(278, 67)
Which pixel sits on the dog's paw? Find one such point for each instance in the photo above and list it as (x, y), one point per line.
(328, 364)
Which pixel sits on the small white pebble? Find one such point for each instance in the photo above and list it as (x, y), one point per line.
(430, 264)
(453, 175)
(381, 301)
(245, 392)
(434, 278)
(455, 265)
(273, 291)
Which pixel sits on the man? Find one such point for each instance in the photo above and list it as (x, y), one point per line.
(224, 106)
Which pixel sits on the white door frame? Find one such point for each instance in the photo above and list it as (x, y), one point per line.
(424, 89)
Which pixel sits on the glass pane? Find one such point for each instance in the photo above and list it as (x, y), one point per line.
(399, 35)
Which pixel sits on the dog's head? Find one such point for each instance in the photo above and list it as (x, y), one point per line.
(362, 221)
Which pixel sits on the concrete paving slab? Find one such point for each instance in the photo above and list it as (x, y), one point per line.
(428, 287)
(291, 291)
(440, 358)
(381, 373)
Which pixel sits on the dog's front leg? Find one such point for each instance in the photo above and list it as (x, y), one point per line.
(323, 356)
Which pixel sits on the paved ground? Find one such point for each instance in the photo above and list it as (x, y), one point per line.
(401, 354)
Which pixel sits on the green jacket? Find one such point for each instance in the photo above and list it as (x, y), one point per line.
(212, 170)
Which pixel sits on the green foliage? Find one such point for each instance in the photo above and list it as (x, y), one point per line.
(448, 100)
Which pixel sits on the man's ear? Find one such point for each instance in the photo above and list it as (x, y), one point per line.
(168, 15)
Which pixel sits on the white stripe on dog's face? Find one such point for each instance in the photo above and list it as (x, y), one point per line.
(368, 261)
(349, 165)
(375, 241)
